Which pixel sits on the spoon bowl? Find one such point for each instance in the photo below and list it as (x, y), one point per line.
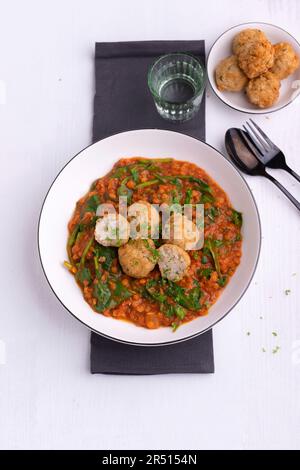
(239, 148)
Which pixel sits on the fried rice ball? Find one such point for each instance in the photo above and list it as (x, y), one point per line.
(256, 58)
(173, 262)
(229, 76)
(263, 91)
(285, 60)
(181, 231)
(138, 257)
(112, 230)
(246, 38)
(143, 219)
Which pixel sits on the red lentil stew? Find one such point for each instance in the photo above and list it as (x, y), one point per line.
(154, 301)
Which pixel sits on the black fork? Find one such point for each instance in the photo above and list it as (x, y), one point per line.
(265, 150)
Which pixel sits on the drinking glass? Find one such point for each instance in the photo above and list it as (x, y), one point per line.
(177, 82)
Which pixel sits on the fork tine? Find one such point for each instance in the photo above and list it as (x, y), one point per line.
(258, 137)
(254, 142)
(251, 145)
(269, 141)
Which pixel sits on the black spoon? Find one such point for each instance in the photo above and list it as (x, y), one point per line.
(239, 149)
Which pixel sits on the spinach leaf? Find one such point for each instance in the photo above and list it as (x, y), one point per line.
(176, 197)
(206, 197)
(135, 174)
(73, 236)
(212, 213)
(204, 187)
(222, 281)
(84, 274)
(204, 259)
(147, 183)
(103, 296)
(121, 171)
(206, 272)
(121, 293)
(174, 326)
(211, 246)
(153, 289)
(85, 251)
(124, 191)
(174, 309)
(237, 218)
(188, 196)
(106, 252)
(179, 311)
(193, 298)
(188, 299)
(92, 203)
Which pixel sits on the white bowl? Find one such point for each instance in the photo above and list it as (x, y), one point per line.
(222, 48)
(95, 161)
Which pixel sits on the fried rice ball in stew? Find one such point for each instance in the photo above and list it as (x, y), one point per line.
(137, 258)
(246, 38)
(173, 262)
(286, 60)
(143, 219)
(263, 91)
(257, 58)
(183, 232)
(112, 230)
(229, 76)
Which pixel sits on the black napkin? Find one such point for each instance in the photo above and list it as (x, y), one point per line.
(123, 102)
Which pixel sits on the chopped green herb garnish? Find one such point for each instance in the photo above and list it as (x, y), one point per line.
(154, 252)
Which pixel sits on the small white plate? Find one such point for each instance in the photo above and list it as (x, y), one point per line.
(222, 48)
(95, 161)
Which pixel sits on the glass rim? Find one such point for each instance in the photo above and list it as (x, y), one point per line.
(150, 71)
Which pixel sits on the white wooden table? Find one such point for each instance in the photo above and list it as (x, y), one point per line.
(48, 398)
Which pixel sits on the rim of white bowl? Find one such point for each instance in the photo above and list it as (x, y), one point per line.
(181, 340)
(212, 85)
